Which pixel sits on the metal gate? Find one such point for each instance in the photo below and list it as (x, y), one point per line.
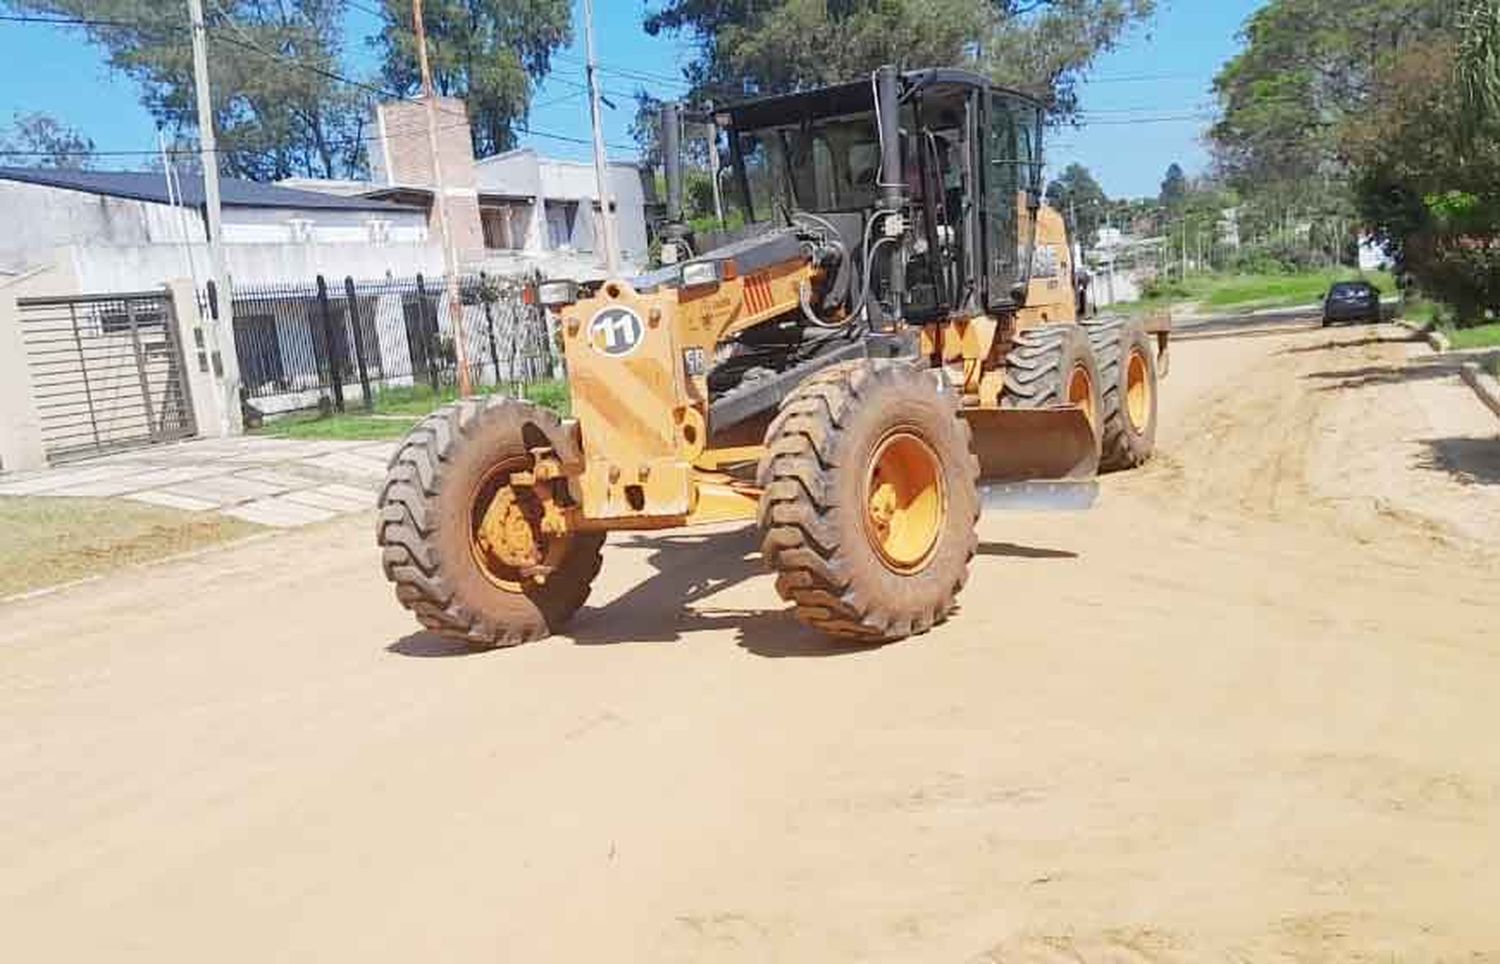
(107, 372)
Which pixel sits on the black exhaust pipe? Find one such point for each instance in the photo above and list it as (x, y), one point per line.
(892, 180)
(888, 118)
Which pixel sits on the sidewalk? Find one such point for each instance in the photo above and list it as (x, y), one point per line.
(282, 483)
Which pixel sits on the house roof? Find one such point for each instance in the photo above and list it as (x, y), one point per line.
(151, 186)
(544, 159)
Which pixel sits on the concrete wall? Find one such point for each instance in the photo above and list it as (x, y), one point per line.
(38, 218)
(121, 268)
(21, 445)
(276, 226)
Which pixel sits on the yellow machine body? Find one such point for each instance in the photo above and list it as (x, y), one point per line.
(642, 414)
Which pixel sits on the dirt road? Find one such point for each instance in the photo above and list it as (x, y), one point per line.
(1244, 709)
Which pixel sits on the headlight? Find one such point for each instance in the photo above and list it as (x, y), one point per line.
(698, 273)
(556, 294)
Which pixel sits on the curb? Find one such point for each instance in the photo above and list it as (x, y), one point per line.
(1435, 339)
(1484, 385)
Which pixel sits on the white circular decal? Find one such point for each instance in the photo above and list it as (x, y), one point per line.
(616, 331)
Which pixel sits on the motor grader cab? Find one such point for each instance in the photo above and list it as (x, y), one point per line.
(889, 346)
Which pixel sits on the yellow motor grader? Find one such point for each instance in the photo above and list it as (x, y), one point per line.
(890, 345)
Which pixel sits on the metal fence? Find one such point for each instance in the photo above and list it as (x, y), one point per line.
(107, 372)
(334, 343)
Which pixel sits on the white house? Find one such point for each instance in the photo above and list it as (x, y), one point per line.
(531, 205)
(121, 230)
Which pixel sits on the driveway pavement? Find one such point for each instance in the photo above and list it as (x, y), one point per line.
(275, 482)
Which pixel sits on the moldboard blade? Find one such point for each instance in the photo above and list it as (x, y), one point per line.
(1071, 495)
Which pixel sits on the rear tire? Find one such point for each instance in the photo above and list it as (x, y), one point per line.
(1128, 392)
(870, 504)
(426, 529)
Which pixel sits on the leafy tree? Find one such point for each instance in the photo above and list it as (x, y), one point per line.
(40, 140)
(1079, 197)
(1174, 188)
(277, 110)
(1307, 67)
(772, 46)
(1427, 176)
(1479, 61)
(489, 52)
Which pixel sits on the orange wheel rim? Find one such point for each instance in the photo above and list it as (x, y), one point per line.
(1081, 391)
(1138, 391)
(497, 569)
(906, 504)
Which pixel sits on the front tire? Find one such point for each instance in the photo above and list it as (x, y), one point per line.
(437, 489)
(870, 504)
(1052, 365)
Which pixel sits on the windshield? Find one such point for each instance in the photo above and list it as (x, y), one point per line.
(831, 164)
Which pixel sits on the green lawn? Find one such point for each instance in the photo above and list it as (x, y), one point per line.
(1253, 291)
(47, 541)
(351, 427)
(1480, 336)
(396, 410)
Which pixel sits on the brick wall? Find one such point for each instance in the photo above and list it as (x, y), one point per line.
(403, 157)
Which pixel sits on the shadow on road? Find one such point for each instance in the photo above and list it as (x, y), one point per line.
(1472, 460)
(426, 645)
(690, 569)
(1012, 551)
(1367, 375)
(1337, 345)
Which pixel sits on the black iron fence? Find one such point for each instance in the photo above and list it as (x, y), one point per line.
(335, 343)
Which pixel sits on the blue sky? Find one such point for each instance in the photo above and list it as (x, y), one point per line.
(1142, 104)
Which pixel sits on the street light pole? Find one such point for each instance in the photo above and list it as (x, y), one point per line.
(208, 153)
(440, 207)
(601, 171)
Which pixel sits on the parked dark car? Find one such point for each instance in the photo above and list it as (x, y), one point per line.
(1351, 301)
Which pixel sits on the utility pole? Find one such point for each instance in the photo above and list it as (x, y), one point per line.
(713, 163)
(440, 204)
(208, 152)
(601, 172)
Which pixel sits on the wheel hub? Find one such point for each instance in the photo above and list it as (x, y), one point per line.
(507, 533)
(905, 504)
(515, 538)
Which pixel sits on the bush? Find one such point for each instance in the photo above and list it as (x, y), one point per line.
(1162, 287)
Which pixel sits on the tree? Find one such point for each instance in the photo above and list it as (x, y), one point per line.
(1479, 62)
(1307, 66)
(39, 140)
(488, 52)
(1174, 188)
(1427, 176)
(278, 110)
(1079, 197)
(747, 47)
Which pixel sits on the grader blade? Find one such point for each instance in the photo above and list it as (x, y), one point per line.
(1019, 444)
(1058, 495)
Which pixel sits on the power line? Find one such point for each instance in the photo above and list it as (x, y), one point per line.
(273, 55)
